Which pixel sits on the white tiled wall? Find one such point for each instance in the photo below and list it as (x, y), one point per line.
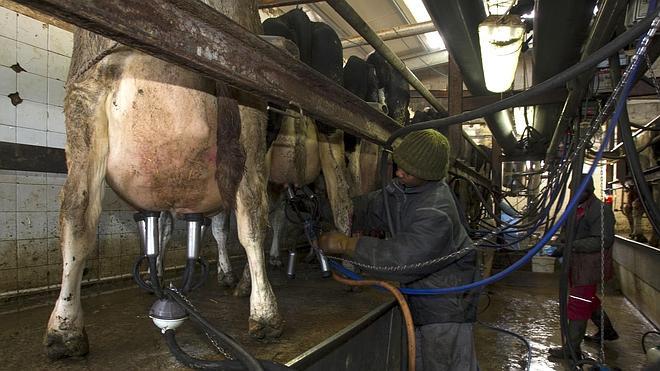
(43, 53)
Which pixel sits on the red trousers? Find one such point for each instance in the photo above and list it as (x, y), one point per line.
(582, 301)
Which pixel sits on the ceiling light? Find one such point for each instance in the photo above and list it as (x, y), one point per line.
(500, 39)
(519, 120)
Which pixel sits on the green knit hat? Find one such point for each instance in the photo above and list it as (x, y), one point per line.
(424, 154)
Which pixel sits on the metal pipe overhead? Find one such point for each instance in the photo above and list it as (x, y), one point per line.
(352, 18)
(458, 22)
(191, 34)
(609, 15)
(637, 132)
(560, 28)
(393, 33)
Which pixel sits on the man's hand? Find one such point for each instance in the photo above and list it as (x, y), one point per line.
(337, 243)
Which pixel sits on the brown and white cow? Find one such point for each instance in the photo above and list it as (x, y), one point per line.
(163, 138)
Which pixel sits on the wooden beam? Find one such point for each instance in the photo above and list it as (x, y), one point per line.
(277, 3)
(23, 157)
(193, 35)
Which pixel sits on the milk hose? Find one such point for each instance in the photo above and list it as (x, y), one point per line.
(403, 304)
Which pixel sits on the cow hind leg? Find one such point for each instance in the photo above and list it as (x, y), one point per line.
(244, 285)
(87, 151)
(331, 153)
(279, 229)
(252, 221)
(220, 229)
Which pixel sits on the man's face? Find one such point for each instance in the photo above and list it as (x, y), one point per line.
(408, 180)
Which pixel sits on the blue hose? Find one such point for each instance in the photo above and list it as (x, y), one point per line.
(546, 238)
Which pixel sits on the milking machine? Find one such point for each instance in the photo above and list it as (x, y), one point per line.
(303, 207)
(172, 307)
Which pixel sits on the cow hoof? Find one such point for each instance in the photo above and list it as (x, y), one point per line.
(266, 329)
(226, 279)
(242, 290)
(275, 261)
(61, 345)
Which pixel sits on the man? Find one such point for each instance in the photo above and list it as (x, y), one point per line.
(585, 271)
(426, 226)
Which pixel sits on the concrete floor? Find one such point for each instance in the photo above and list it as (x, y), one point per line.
(123, 337)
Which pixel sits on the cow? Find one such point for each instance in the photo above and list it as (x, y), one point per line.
(356, 176)
(163, 138)
(302, 148)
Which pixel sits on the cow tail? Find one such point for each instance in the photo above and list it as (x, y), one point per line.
(230, 159)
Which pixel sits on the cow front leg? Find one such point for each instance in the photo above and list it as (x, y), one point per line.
(220, 229)
(252, 221)
(87, 151)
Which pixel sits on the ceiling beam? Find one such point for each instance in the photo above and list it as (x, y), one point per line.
(392, 33)
(428, 60)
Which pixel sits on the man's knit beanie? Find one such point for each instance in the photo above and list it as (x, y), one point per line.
(424, 154)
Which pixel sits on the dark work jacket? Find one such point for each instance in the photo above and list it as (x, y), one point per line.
(426, 226)
(585, 258)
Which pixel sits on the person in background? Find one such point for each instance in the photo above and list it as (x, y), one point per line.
(426, 226)
(585, 270)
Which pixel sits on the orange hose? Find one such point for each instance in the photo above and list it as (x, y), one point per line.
(405, 310)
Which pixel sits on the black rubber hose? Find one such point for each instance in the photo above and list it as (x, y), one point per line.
(643, 189)
(566, 271)
(234, 348)
(204, 275)
(517, 336)
(647, 333)
(225, 365)
(188, 273)
(153, 273)
(136, 274)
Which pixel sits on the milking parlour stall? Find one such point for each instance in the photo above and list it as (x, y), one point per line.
(329, 185)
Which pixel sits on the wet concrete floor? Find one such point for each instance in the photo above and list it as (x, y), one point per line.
(123, 337)
(527, 303)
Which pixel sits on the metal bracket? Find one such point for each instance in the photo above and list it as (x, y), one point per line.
(298, 114)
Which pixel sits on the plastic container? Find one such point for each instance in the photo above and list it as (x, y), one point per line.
(543, 264)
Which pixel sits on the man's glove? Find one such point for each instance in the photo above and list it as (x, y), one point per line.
(337, 243)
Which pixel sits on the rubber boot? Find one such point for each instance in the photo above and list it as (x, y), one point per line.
(576, 330)
(609, 335)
